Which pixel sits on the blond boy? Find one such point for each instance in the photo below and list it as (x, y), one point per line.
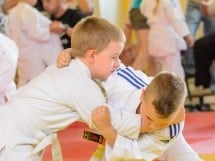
(161, 102)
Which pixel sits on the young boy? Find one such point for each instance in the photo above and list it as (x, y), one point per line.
(58, 97)
(124, 94)
(161, 100)
(34, 36)
(60, 11)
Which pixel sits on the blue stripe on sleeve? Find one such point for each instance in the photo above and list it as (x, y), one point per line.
(170, 131)
(131, 77)
(174, 130)
(178, 128)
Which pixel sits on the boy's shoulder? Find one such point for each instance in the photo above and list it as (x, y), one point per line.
(167, 134)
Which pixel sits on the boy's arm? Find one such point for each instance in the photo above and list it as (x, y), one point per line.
(119, 147)
(101, 118)
(148, 147)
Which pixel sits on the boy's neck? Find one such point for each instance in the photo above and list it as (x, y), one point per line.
(61, 10)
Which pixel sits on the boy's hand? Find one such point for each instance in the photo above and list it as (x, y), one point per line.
(64, 58)
(101, 118)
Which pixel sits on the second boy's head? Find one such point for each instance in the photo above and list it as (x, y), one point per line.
(163, 100)
(98, 43)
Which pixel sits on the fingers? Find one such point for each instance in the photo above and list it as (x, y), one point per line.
(100, 112)
(64, 58)
(101, 118)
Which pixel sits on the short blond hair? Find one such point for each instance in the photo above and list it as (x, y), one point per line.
(94, 33)
(168, 91)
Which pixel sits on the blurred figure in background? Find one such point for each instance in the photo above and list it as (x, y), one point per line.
(4, 7)
(34, 36)
(8, 64)
(204, 55)
(168, 30)
(85, 6)
(194, 18)
(59, 11)
(138, 23)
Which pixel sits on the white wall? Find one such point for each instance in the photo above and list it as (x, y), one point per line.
(109, 9)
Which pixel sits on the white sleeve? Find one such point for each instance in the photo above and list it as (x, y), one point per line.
(148, 147)
(180, 151)
(120, 120)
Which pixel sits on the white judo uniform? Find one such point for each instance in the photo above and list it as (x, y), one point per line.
(38, 47)
(8, 63)
(167, 29)
(124, 88)
(49, 103)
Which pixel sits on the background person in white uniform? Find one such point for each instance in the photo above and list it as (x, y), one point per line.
(8, 63)
(33, 34)
(58, 97)
(167, 30)
(4, 7)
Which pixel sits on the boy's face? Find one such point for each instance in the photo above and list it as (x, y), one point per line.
(50, 6)
(106, 61)
(150, 119)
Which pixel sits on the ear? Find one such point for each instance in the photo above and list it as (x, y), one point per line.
(90, 56)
